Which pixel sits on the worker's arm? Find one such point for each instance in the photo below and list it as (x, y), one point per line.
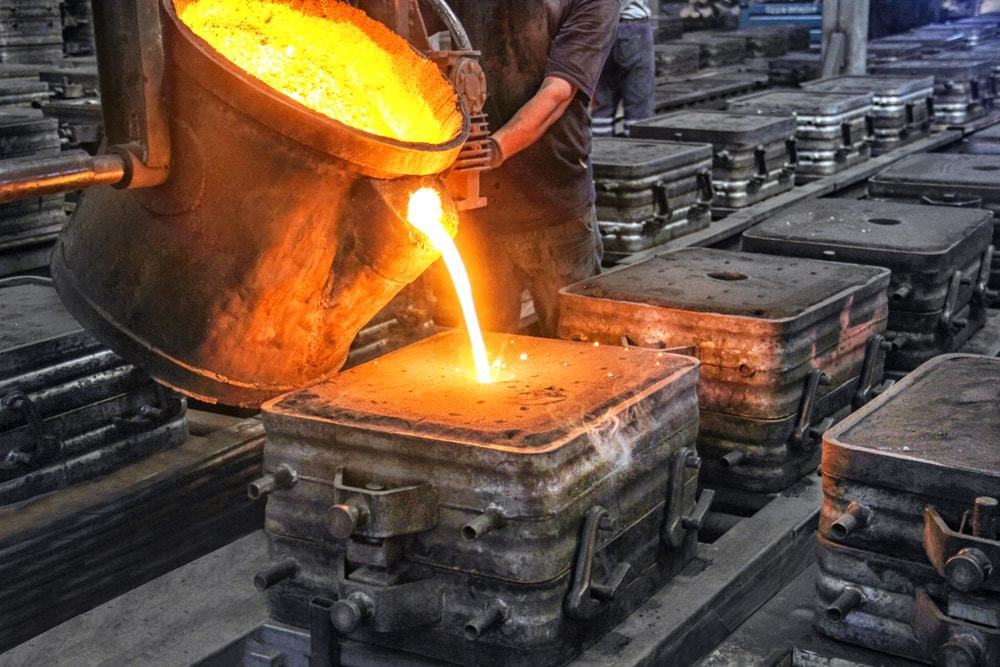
(535, 118)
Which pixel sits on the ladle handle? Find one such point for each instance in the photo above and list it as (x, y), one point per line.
(21, 178)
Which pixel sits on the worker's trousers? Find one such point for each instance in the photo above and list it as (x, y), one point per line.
(628, 78)
(504, 265)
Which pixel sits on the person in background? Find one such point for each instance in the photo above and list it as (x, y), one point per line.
(629, 75)
(542, 60)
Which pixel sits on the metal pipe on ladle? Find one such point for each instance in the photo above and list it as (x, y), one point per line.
(46, 175)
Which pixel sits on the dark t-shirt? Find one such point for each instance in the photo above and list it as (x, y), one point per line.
(522, 42)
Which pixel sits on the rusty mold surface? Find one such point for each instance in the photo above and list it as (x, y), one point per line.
(945, 414)
(778, 293)
(557, 392)
(784, 344)
(469, 497)
(910, 487)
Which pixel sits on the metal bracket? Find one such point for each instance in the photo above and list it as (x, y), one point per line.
(967, 562)
(585, 598)
(366, 598)
(872, 371)
(983, 296)
(948, 323)
(162, 410)
(806, 431)
(661, 200)
(706, 186)
(372, 509)
(45, 444)
(760, 159)
(793, 152)
(951, 641)
(682, 495)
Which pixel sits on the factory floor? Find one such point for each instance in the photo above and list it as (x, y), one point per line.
(186, 617)
(197, 614)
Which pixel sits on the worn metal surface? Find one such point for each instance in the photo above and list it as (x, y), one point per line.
(753, 156)
(718, 49)
(902, 107)
(24, 132)
(69, 409)
(833, 130)
(961, 87)
(200, 281)
(895, 458)
(86, 544)
(649, 192)
(705, 90)
(965, 181)
(683, 620)
(901, 607)
(761, 326)
(922, 245)
(677, 59)
(473, 482)
(781, 632)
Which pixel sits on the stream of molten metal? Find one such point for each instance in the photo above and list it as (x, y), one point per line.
(426, 214)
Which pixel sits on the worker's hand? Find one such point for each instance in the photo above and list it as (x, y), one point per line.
(494, 152)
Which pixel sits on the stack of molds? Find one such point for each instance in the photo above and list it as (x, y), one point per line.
(986, 53)
(29, 227)
(30, 31)
(793, 69)
(929, 44)
(787, 346)
(718, 49)
(754, 156)
(971, 35)
(834, 130)
(939, 257)
(908, 546)
(482, 524)
(649, 192)
(677, 59)
(667, 27)
(76, 104)
(706, 91)
(902, 107)
(961, 87)
(763, 42)
(891, 52)
(940, 179)
(78, 28)
(69, 408)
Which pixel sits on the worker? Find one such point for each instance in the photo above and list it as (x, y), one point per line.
(629, 74)
(542, 60)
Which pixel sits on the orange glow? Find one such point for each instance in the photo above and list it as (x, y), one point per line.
(333, 59)
(426, 214)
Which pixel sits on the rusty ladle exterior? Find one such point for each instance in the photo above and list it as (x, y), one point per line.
(278, 234)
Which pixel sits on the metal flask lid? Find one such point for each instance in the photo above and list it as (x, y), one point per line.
(278, 235)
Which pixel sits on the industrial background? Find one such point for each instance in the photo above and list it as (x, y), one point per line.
(239, 427)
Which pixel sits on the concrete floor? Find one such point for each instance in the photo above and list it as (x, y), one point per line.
(144, 626)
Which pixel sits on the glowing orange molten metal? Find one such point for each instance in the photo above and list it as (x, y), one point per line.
(333, 59)
(426, 214)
